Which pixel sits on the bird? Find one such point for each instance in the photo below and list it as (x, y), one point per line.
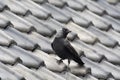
(64, 49)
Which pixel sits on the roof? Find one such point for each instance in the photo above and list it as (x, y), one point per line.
(27, 28)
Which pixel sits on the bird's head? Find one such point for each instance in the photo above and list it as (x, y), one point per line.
(65, 32)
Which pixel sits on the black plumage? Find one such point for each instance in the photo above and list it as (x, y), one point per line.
(63, 48)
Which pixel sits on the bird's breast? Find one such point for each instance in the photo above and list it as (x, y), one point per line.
(58, 45)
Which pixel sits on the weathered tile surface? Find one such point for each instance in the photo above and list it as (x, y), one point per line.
(27, 28)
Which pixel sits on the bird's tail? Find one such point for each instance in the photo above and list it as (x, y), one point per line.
(79, 61)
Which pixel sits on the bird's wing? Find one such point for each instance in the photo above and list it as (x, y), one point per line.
(69, 47)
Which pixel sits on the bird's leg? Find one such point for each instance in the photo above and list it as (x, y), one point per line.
(59, 61)
(68, 68)
(68, 62)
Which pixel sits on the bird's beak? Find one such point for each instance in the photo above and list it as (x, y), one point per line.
(69, 31)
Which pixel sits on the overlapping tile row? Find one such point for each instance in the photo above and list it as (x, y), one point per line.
(27, 28)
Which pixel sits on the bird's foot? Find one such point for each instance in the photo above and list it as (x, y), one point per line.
(81, 65)
(59, 61)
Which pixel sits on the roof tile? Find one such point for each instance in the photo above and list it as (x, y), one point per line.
(7, 57)
(75, 5)
(50, 62)
(54, 24)
(77, 70)
(76, 17)
(5, 40)
(58, 3)
(26, 72)
(82, 33)
(57, 13)
(109, 67)
(47, 74)
(110, 55)
(42, 41)
(88, 51)
(36, 9)
(113, 1)
(90, 77)
(97, 21)
(115, 23)
(2, 6)
(7, 73)
(18, 22)
(111, 10)
(40, 26)
(96, 69)
(4, 23)
(103, 37)
(21, 39)
(69, 76)
(27, 57)
(39, 1)
(15, 7)
(92, 6)
(27, 28)
(114, 34)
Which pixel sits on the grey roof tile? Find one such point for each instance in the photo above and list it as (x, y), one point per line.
(109, 67)
(7, 57)
(82, 33)
(40, 26)
(75, 5)
(4, 23)
(81, 2)
(97, 21)
(42, 41)
(18, 22)
(50, 62)
(112, 1)
(27, 57)
(93, 6)
(111, 79)
(103, 37)
(58, 3)
(115, 23)
(72, 36)
(15, 7)
(80, 71)
(8, 74)
(110, 55)
(39, 1)
(54, 24)
(111, 10)
(89, 77)
(57, 13)
(21, 39)
(70, 76)
(76, 17)
(114, 34)
(27, 16)
(5, 40)
(36, 9)
(2, 6)
(116, 50)
(88, 51)
(49, 75)
(117, 5)
(26, 72)
(96, 69)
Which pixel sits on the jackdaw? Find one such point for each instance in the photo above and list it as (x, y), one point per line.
(64, 49)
